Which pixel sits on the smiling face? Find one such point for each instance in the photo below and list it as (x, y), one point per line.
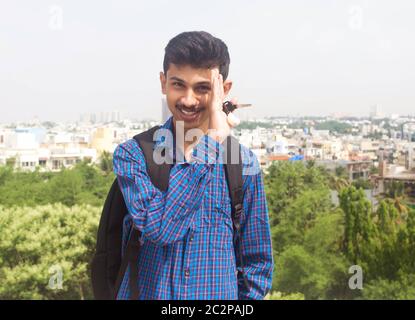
(188, 91)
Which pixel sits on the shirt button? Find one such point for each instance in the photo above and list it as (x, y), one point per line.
(191, 238)
(187, 272)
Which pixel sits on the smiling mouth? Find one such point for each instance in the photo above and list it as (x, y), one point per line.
(189, 111)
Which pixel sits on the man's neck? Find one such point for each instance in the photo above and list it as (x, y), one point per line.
(187, 144)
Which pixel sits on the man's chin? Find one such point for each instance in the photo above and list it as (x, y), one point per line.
(190, 124)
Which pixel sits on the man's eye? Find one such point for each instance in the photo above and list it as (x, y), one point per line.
(203, 89)
(177, 84)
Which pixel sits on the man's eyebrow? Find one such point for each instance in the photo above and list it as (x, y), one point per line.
(197, 83)
(177, 79)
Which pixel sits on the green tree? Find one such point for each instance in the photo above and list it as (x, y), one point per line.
(66, 187)
(306, 231)
(298, 217)
(37, 241)
(334, 126)
(11, 162)
(384, 289)
(362, 183)
(315, 267)
(358, 223)
(280, 296)
(105, 162)
(341, 172)
(82, 184)
(286, 181)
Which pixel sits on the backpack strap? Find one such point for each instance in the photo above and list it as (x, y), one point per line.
(159, 175)
(233, 172)
(130, 258)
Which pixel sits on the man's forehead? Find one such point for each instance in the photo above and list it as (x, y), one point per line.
(190, 74)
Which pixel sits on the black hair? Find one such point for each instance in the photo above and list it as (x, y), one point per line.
(199, 49)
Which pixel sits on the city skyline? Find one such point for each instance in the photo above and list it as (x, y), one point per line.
(115, 115)
(61, 59)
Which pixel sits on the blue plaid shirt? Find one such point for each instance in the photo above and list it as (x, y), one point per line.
(187, 234)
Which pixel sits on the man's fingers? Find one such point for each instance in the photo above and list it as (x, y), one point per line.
(216, 99)
(234, 100)
(220, 88)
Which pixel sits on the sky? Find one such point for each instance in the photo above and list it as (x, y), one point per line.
(59, 59)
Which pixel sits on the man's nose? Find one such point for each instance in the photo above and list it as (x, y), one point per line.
(189, 99)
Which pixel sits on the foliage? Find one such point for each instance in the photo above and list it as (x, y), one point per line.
(394, 189)
(35, 240)
(286, 181)
(316, 243)
(251, 125)
(50, 219)
(341, 172)
(334, 126)
(105, 162)
(279, 296)
(331, 125)
(362, 184)
(305, 229)
(84, 184)
(383, 289)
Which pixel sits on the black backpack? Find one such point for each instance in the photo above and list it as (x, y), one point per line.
(107, 266)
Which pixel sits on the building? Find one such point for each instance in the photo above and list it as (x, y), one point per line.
(103, 139)
(355, 169)
(410, 157)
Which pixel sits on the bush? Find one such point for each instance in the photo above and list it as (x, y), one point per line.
(276, 295)
(36, 243)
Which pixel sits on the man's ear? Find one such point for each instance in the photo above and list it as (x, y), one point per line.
(163, 81)
(227, 86)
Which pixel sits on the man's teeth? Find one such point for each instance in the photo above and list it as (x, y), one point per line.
(187, 112)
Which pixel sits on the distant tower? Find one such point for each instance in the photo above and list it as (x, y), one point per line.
(382, 163)
(409, 157)
(93, 118)
(165, 112)
(375, 112)
(115, 116)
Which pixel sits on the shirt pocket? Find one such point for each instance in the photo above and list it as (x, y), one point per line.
(217, 224)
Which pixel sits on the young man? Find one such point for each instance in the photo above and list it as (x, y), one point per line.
(187, 249)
